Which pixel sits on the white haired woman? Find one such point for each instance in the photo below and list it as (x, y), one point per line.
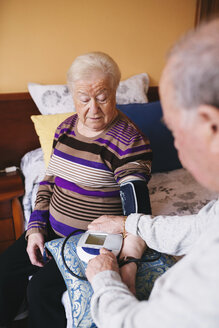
(99, 159)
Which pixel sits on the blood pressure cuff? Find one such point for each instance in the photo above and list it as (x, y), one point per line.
(135, 197)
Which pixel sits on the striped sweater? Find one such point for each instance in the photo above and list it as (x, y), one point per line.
(83, 178)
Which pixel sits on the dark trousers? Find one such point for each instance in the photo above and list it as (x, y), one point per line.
(43, 291)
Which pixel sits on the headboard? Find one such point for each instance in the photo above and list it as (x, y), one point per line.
(18, 135)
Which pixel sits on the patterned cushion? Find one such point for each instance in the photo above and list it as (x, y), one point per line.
(80, 291)
(133, 90)
(51, 99)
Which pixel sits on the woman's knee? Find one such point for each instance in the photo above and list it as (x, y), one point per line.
(46, 281)
(36, 288)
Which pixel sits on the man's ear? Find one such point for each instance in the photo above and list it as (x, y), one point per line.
(209, 118)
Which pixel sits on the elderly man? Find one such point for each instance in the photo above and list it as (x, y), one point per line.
(187, 295)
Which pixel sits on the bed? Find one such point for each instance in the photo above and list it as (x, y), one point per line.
(173, 191)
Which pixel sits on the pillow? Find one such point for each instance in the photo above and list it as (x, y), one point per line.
(148, 118)
(133, 90)
(45, 126)
(80, 291)
(51, 99)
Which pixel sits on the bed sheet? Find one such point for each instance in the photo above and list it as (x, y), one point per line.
(171, 193)
(33, 169)
(177, 193)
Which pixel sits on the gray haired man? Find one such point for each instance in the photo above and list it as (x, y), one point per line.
(187, 295)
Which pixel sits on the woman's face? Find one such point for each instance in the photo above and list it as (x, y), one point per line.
(95, 103)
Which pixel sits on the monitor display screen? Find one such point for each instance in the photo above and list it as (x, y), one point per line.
(95, 239)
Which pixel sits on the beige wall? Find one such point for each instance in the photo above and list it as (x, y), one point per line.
(40, 38)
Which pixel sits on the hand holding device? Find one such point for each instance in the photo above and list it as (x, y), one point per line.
(90, 244)
(105, 261)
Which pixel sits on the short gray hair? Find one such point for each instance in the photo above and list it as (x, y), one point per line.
(84, 65)
(194, 67)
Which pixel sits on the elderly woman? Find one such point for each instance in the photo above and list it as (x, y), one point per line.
(100, 165)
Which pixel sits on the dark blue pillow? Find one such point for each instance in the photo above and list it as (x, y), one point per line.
(148, 118)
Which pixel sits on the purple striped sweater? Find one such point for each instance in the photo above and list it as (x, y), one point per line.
(83, 178)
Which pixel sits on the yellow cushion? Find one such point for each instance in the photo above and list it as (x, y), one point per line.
(45, 126)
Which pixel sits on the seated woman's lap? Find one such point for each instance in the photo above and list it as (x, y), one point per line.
(15, 270)
(44, 295)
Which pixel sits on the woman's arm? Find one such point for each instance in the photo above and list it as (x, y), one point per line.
(133, 246)
(39, 217)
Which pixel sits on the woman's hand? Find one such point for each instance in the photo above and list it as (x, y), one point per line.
(108, 223)
(35, 248)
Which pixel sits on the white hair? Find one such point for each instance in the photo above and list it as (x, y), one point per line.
(193, 67)
(85, 65)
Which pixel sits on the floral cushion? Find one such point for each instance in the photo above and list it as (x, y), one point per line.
(133, 90)
(51, 99)
(80, 291)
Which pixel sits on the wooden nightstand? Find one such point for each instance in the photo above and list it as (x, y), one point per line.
(11, 214)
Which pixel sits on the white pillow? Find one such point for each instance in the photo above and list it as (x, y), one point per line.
(56, 98)
(51, 99)
(133, 90)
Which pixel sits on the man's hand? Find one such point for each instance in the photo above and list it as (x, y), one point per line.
(108, 223)
(35, 248)
(105, 261)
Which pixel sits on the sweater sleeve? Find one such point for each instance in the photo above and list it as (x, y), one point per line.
(133, 153)
(172, 235)
(185, 296)
(40, 216)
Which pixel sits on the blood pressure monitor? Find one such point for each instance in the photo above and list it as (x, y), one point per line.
(90, 243)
